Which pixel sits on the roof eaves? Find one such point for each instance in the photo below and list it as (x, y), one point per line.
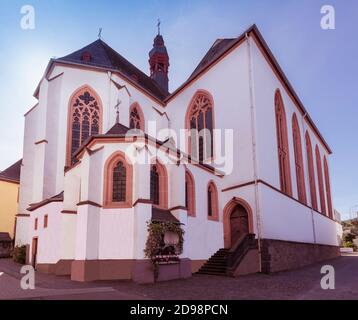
(56, 198)
(198, 74)
(253, 29)
(115, 71)
(265, 46)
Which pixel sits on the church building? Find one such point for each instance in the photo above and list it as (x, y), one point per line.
(231, 158)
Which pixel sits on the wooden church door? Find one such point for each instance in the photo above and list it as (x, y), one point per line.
(239, 223)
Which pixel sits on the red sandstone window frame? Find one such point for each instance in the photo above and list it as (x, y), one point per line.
(297, 146)
(214, 201)
(193, 109)
(45, 221)
(328, 187)
(190, 193)
(311, 172)
(320, 181)
(163, 184)
(108, 181)
(71, 109)
(141, 120)
(282, 145)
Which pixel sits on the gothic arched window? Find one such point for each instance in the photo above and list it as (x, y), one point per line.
(154, 185)
(311, 172)
(159, 185)
(212, 197)
(118, 181)
(136, 117)
(328, 187)
(282, 145)
(200, 123)
(84, 119)
(300, 177)
(190, 193)
(320, 181)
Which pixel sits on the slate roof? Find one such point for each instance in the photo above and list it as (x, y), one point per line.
(118, 128)
(161, 215)
(56, 198)
(12, 173)
(103, 56)
(216, 50)
(5, 237)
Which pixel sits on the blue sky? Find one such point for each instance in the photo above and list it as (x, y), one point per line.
(322, 65)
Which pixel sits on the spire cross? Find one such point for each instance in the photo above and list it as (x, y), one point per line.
(116, 107)
(100, 33)
(158, 25)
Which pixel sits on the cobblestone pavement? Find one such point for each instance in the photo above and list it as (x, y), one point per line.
(302, 283)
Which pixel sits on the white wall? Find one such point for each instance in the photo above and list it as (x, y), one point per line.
(265, 84)
(283, 218)
(228, 84)
(49, 240)
(116, 234)
(111, 233)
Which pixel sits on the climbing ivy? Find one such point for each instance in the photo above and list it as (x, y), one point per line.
(156, 230)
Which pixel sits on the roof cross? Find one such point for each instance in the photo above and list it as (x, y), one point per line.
(158, 25)
(100, 33)
(116, 107)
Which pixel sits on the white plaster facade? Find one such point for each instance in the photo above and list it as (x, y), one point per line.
(242, 84)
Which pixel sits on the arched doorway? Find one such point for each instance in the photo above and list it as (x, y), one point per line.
(237, 221)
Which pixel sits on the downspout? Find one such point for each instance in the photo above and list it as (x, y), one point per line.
(312, 212)
(109, 73)
(254, 154)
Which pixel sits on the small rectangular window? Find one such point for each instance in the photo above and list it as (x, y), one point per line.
(45, 221)
(36, 223)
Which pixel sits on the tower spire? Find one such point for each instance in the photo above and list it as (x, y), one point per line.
(159, 61)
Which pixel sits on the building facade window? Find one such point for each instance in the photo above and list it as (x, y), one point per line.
(159, 185)
(45, 221)
(212, 202)
(118, 175)
(200, 126)
(282, 145)
(84, 119)
(300, 177)
(36, 223)
(320, 181)
(119, 182)
(190, 193)
(154, 185)
(136, 117)
(328, 187)
(311, 172)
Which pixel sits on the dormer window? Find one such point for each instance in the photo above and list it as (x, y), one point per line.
(86, 56)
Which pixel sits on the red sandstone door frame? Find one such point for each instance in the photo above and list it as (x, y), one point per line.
(228, 210)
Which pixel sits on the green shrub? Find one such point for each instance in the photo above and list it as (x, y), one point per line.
(349, 237)
(348, 244)
(19, 254)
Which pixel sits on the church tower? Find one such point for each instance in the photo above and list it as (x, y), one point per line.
(159, 62)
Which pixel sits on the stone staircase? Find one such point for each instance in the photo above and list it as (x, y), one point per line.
(225, 261)
(217, 264)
